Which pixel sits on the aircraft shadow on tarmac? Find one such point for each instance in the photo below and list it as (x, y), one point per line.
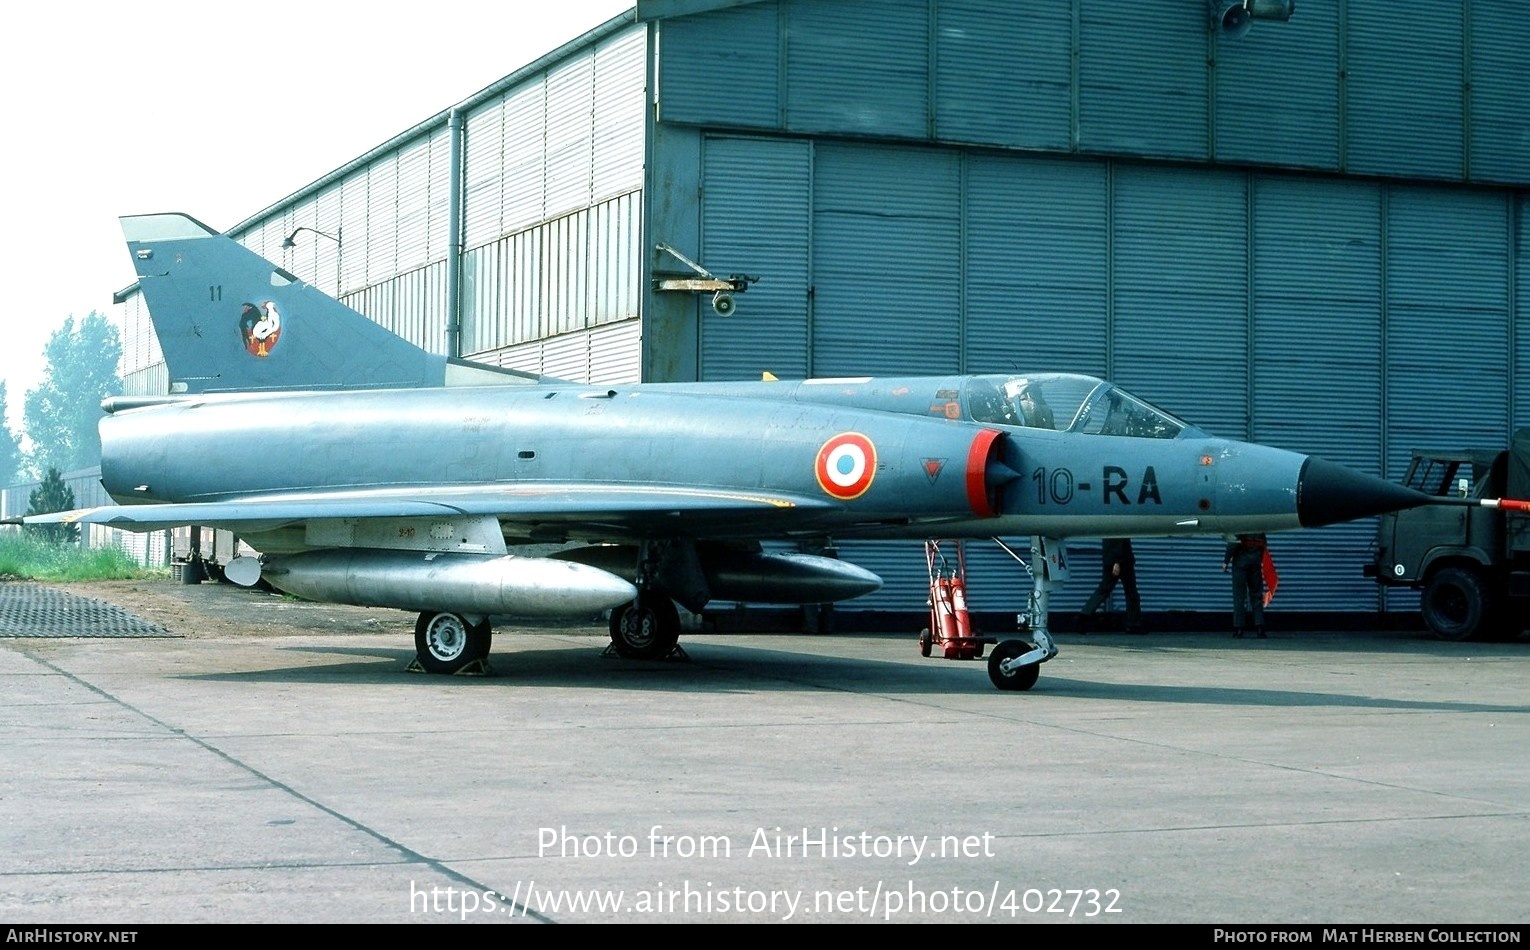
(744, 669)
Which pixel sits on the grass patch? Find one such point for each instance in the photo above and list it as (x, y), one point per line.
(23, 556)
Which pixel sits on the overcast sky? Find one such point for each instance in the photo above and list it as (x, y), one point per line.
(218, 110)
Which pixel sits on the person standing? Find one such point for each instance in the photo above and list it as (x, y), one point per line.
(1246, 557)
(1118, 564)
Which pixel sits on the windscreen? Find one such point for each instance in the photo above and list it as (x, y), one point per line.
(1067, 402)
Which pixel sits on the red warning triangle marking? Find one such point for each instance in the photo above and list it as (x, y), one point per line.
(933, 467)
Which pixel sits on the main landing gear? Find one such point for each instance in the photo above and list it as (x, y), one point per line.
(452, 643)
(1016, 664)
(646, 629)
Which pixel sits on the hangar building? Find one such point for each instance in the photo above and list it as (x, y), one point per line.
(1310, 233)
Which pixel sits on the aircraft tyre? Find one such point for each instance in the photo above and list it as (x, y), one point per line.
(1023, 678)
(1457, 604)
(646, 629)
(445, 643)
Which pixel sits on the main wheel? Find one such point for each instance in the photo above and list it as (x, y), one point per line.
(445, 643)
(1457, 604)
(646, 629)
(1023, 678)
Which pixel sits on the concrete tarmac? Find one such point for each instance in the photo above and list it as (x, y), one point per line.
(1314, 778)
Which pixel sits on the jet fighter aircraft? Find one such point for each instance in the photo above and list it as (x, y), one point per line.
(368, 471)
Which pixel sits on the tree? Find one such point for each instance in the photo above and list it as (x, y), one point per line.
(61, 414)
(50, 496)
(10, 446)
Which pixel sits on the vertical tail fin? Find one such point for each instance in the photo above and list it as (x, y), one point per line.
(230, 321)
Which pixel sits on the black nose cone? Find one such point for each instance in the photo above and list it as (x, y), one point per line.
(1327, 493)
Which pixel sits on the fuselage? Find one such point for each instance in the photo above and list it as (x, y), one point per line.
(915, 457)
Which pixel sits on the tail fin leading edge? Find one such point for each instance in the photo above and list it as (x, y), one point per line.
(230, 321)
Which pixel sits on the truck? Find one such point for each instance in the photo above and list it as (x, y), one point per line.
(1471, 565)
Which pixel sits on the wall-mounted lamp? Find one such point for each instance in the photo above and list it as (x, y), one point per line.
(289, 242)
(1234, 18)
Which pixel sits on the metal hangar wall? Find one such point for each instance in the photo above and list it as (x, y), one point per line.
(505, 229)
(1308, 235)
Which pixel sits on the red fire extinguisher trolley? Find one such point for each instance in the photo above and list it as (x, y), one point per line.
(950, 622)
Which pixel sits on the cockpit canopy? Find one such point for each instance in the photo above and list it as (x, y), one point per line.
(1067, 402)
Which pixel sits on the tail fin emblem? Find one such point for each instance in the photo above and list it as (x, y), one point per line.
(260, 327)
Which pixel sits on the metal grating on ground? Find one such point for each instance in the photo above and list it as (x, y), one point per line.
(29, 610)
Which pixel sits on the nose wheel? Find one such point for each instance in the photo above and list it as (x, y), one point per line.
(1015, 665)
(1007, 675)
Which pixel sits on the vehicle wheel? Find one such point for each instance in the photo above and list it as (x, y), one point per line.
(1023, 678)
(646, 629)
(1456, 604)
(926, 642)
(445, 643)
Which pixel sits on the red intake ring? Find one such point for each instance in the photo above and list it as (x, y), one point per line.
(983, 453)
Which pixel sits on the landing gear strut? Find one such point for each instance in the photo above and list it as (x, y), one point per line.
(1016, 664)
(649, 627)
(452, 643)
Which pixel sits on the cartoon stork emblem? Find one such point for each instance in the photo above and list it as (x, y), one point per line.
(260, 327)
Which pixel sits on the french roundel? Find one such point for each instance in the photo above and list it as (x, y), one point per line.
(846, 465)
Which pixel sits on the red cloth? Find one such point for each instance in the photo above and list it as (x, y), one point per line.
(1271, 579)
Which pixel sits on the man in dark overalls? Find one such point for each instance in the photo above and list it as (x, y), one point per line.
(1117, 564)
(1245, 558)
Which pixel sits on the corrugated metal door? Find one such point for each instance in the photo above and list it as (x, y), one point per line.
(858, 66)
(757, 219)
(901, 566)
(1448, 337)
(722, 67)
(1500, 110)
(1519, 231)
(1157, 107)
(1404, 88)
(1317, 372)
(1037, 262)
(1003, 73)
(1277, 92)
(1179, 335)
(887, 261)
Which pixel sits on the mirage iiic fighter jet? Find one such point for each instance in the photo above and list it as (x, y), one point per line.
(368, 471)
